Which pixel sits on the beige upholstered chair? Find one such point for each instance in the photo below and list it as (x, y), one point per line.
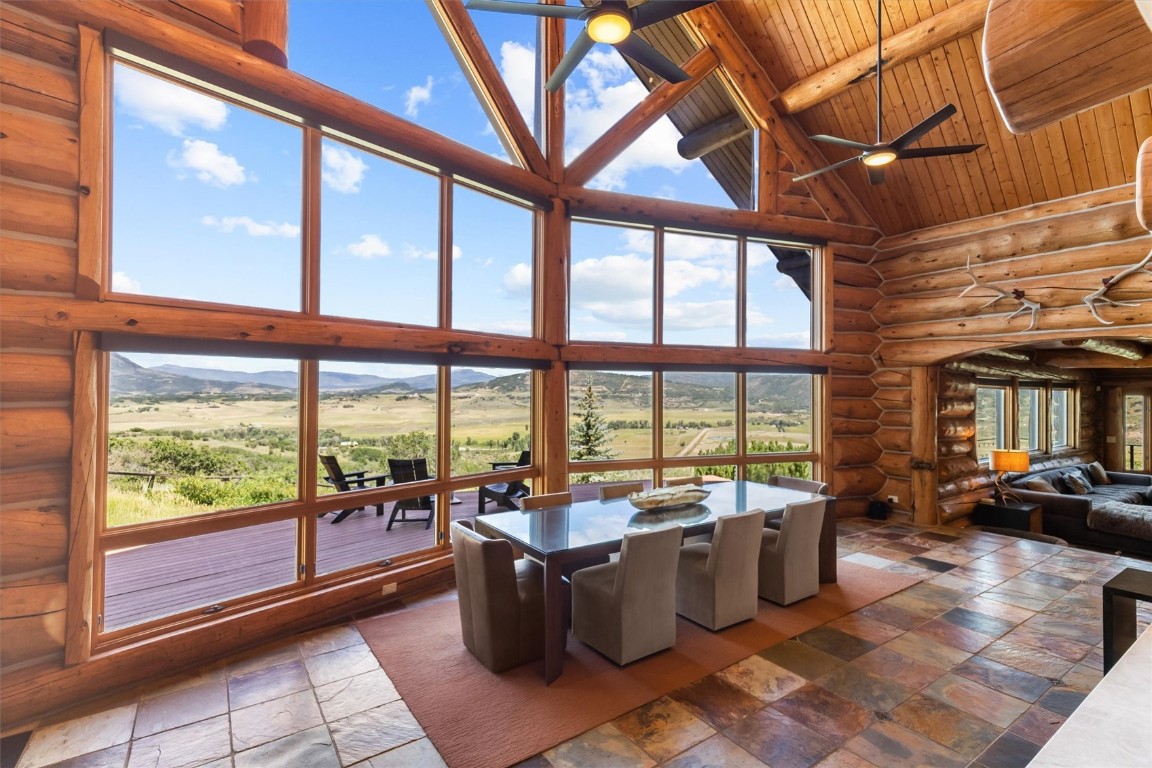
(545, 500)
(618, 490)
(789, 565)
(716, 583)
(670, 482)
(627, 609)
(501, 600)
(827, 531)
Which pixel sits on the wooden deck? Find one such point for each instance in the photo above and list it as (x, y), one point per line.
(158, 580)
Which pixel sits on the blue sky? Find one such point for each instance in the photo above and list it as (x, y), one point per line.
(235, 237)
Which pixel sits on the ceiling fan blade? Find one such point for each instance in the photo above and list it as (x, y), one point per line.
(571, 59)
(826, 168)
(875, 176)
(958, 149)
(842, 142)
(648, 57)
(528, 9)
(913, 135)
(658, 10)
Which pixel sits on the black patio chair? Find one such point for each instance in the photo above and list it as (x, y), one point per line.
(349, 481)
(505, 494)
(409, 471)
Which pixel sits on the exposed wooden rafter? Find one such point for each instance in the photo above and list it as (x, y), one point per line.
(1130, 350)
(489, 86)
(712, 136)
(639, 119)
(919, 39)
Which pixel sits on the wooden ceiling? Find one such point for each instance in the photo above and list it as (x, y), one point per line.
(794, 39)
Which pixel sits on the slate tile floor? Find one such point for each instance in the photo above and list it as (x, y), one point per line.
(976, 665)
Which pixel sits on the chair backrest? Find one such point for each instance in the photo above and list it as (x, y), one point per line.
(674, 481)
(335, 474)
(800, 529)
(546, 500)
(409, 471)
(618, 490)
(798, 484)
(647, 568)
(525, 459)
(735, 550)
(486, 589)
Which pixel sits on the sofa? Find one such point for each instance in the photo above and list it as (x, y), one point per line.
(1114, 516)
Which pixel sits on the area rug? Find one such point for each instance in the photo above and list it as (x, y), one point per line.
(478, 719)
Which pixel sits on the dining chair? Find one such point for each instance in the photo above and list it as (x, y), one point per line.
(789, 564)
(716, 583)
(506, 495)
(627, 609)
(619, 490)
(349, 481)
(410, 471)
(501, 599)
(827, 530)
(546, 500)
(671, 482)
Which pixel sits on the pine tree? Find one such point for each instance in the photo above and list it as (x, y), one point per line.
(590, 438)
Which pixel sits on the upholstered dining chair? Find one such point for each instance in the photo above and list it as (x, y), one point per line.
(716, 583)
(627, 609)
(827, 530)
(546, 500)
(619, 490)
(501, 600)
(789, 567)
(670, 482)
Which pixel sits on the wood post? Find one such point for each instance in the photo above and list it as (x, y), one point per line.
(87, 462)
(265, 30)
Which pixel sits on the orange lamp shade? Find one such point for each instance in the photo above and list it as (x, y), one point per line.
(1009, 461)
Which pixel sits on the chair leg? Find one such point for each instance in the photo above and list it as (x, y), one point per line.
(392, 518)
(380, 510)
(343, 514)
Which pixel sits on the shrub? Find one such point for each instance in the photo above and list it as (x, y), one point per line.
(206, 493)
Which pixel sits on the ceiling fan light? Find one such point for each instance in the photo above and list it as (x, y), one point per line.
(879, 158)
(609, 25)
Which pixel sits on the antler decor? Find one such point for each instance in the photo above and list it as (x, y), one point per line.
(1097, 296)
(1015, 294)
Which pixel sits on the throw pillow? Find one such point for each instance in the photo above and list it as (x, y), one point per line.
(1098, 475)
(1076, 482)
(1041, 485)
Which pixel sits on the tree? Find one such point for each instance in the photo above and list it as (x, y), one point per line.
(590, 437)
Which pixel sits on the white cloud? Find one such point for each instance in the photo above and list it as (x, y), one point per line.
(612, 278)
(343, 171)
(698, 315)
(705, 250)
(369, 247)
(639, 240)
(634, 313)
(680, 276)
(210, 165)
(412, 253)
(604, 336)
(251, 227)
(793, 340)
(518, 280)
(785, 283)
(457, 252)
(124, 284)
(169, 107)
(518, 67)
(416, 96)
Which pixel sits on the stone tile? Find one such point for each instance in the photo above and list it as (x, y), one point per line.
(367, 734)
(271, 720)
(1062, 701)
(1031, 602)
(761, 678)
(335, 665)
(1081, 678)
(536, 761)
(1026, 587)
(355, 694)
(870, 691)
(416, 754)
(1039, 576)
(999, 677)
(978, 622)
(328, 639)
(843, 758)
(946, 725)
(933, 565)
(189, 745)
(975, 699)
(604, 746)
(893, 746)
(872, 630)
(113, 757)
(836, 643)
(1065, 648)
(79, 736)
(181, 707)
(312, 748)
(888, 552)
(959, 583)
(280, 652)
(1089, 634)
(867, 560)
(1037, 725)
(180, 682)
(926, 650)
(776, 739)
(908, 547)
(1000, 610)
(801, 658)
(663, 728)
(715, 752)
(891, 614)
(1009, 751)
(1027, 659)
(716, 701)
(944, 555)
(890, 665)
(943, 631)
(266, 684)
(911, 570)
(824, 712)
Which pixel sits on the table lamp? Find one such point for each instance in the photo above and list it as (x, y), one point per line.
(1003, 460)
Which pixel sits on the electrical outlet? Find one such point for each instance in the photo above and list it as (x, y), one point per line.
(893, 499)
(388, 589)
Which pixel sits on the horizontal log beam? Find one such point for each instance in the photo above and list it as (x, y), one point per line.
(922, 38)
(711, 137)
(651, 357)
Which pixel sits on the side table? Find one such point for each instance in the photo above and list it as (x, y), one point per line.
(1120, 595)
(1020, 515)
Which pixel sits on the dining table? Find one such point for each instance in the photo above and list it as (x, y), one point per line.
(561, 535)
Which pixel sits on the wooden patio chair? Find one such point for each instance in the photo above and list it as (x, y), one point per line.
(349, 481)
(505, 495)
(409, 471)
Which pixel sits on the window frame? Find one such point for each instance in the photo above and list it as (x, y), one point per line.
(1011, 390)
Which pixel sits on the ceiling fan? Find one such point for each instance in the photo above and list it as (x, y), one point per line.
(876, 156)
(609, 21)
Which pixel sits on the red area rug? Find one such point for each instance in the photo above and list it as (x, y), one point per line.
(481, 720)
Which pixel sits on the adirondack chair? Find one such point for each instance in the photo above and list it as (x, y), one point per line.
(349, 481)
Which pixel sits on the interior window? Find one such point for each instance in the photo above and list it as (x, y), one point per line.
(991, 419)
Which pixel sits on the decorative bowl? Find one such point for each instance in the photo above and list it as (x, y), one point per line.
(659, 499)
